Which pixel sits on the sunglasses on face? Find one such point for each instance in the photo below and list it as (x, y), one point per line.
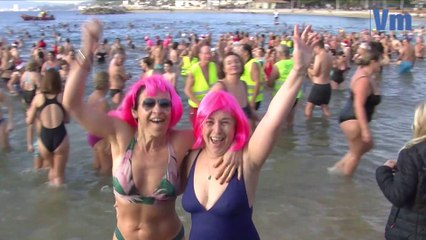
(163, 103)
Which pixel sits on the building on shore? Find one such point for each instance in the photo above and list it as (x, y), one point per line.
(270, 4)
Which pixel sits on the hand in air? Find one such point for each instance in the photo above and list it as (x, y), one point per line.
(303, 47)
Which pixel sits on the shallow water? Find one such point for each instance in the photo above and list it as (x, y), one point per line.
(296, 197)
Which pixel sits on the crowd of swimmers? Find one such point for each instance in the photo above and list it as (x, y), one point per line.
(224, 85)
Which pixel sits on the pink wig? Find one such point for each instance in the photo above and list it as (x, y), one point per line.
(222, 101)
(152, 85)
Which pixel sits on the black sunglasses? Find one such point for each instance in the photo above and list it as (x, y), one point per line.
(149, 103)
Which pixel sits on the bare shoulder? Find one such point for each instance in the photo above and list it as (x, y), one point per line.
(182, 141)
(38, 99)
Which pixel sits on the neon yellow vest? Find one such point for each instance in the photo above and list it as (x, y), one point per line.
(201, 87)
(187, 63)
(246, 77)
(284, 67)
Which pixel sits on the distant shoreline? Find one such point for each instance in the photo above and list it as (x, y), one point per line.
(315, 12)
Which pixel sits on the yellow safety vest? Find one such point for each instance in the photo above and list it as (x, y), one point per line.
(246, 77)
(201, 87)
(284, 67)
(187, 63)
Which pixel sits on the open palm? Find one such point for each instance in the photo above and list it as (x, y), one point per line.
(303, 47)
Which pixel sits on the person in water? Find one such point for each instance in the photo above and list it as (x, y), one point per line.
(53, 141)
(6, 125)
(147, 151)
(359, 109)
(230, 72)
(225, 211)
(402, 184)
(101, 150)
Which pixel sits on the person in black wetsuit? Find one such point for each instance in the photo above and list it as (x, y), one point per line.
(53, 142)
(339, 68)
(359, 109)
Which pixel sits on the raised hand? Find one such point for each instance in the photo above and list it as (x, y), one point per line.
(303, 45)
(90, 35)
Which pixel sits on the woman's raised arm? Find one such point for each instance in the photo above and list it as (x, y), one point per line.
(264, 136)
(95, 122)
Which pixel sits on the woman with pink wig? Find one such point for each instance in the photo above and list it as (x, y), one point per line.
(225, 211)
(147, 152)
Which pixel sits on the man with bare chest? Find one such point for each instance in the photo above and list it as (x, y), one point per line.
(117, 77)
(158, 54)
(320, 76)
(406, 56)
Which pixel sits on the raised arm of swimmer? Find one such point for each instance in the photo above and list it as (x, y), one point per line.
(264, 136)
(95, 122)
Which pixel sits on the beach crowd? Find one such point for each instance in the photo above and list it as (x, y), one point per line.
(216, 163)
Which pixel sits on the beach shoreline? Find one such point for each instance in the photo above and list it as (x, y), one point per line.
(282, 12)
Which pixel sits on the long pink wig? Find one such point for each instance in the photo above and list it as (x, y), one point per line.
(222, 101)
(152, 85)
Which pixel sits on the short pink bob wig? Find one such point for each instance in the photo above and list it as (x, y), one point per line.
(222, 101)
(152, 85)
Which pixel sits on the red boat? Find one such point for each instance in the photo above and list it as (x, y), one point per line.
(31, 18)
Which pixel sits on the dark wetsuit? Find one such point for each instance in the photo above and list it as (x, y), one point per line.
(320, 94)
(348, 112)
(28, 95)
(230, 218)
(337, 76)
(101, 57)
(52, 137)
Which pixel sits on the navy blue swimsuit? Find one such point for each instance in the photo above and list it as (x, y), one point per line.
(230, 218)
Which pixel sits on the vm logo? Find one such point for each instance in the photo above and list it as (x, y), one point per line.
(394, 19)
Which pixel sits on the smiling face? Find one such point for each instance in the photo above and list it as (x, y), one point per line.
(218, 133)
(232, 65)
(153, 113)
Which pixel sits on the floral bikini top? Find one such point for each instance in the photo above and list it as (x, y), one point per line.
(125, 187)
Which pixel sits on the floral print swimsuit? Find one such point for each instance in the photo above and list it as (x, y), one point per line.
(125, 187)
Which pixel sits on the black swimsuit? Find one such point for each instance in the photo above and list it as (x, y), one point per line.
(52, 137)
(337, 76)
(348, 112)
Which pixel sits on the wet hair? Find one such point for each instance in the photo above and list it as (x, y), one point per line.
(222, 101)
(419, 126)
(175, 45)
(373, 53)
(247, 48)
(221, 72)
(51, 83)
(152, 85)
(40, 54)
(320, 43)
(148, 61)
(168, 62)
(101, 81)
(31, 66)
